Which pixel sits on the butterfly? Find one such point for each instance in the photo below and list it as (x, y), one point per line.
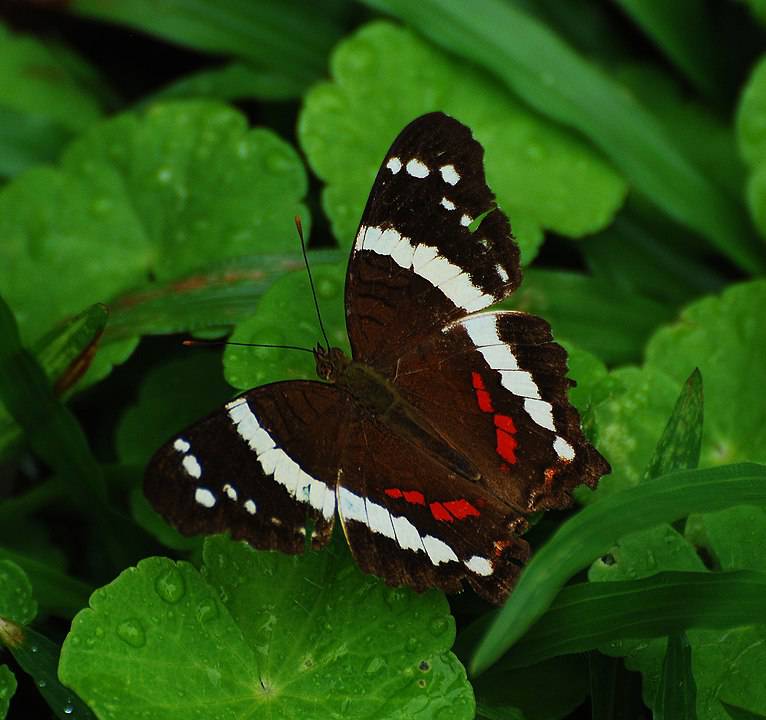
(445, 429)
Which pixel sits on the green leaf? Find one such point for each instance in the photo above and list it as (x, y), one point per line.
(724, 338)
(525, 693)
(165, 405)
(679, 446)
(172, 189)
(285, 315)
(751, 128)
(7, 688)
(677, 694)
(553, 79)
(64, 354)
(34, 81)
(234, 81)
(590, 615)
(684, 31)
(595, 315)
(55, 591)
(39, 657)
(737, 713)
(291, 37)
(17, 601)
(229, 637)
(543, 175)
(594, 530)
(631, 406)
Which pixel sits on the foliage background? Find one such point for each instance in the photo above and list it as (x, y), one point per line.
(152, 158)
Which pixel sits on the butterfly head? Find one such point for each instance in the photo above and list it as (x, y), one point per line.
(330, 362)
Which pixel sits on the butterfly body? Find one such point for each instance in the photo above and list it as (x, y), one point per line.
(445, 428)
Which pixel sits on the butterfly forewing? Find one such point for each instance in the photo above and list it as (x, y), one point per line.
(416, 264)
(257, 469)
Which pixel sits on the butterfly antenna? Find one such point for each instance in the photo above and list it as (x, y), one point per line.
(209, 343)
(299, 227)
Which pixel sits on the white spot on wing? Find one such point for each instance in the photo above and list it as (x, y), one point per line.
(387, 242)
(317, 489)
(286, 473)
(192, 466)
(501, 272)
(204, 497)
(379, 519)
(407, 534)
(499, 357)
(250, 506)
(328, 506)
(466, 220)
(417, 169)
(449, 174)
(541, 412)
(231, 493)
(438, 552)
(394, 165)
(423, 254)
(402, 253)
(351, 506)
(479, 565)
(563, 449)
(448, 204)
(181, 445)
(520, 383)
(438, 271)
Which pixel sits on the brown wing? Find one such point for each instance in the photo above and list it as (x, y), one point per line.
(494, 387)
(262, 468)
(411, 521)
(416, 264)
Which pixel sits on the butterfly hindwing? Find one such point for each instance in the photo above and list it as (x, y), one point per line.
(414, 255)
(412, 521)
(258, 468)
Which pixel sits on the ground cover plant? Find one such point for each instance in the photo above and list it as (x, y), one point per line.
(153, 157)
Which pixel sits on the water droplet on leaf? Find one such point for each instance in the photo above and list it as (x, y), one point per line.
(132, 632)
(170, 585)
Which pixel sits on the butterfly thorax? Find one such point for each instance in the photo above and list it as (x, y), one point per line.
(379, 399)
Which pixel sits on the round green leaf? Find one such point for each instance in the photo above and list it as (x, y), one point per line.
(17, 601)
(230, 642)
(384, 76)
(285, 315)
(158, 193)
(725, 337)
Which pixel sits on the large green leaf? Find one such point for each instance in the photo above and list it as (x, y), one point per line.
(565, 86)
(544, 176)
(166, 639)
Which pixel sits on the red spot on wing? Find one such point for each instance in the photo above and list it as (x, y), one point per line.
(414, 497)
(505, 423)
(506, 446)
(440, 512)
(478, 381)
(393, 492)
(461, 508)
(485, 401)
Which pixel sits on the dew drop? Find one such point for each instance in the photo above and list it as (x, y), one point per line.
(132, 632)
(68, 709)
(164, 175)
(99, 632)
(207, 611)
(170, 585)
(375, 665)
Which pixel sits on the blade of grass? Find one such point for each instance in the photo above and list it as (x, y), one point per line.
(684, 31)
(595, 529)
(555, 80)
(677, 693)
(57, 438)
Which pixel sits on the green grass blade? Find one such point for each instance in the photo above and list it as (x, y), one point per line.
(595, 529)
(684, 31)
(677, 694)
(555, 80)
(588, 615)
